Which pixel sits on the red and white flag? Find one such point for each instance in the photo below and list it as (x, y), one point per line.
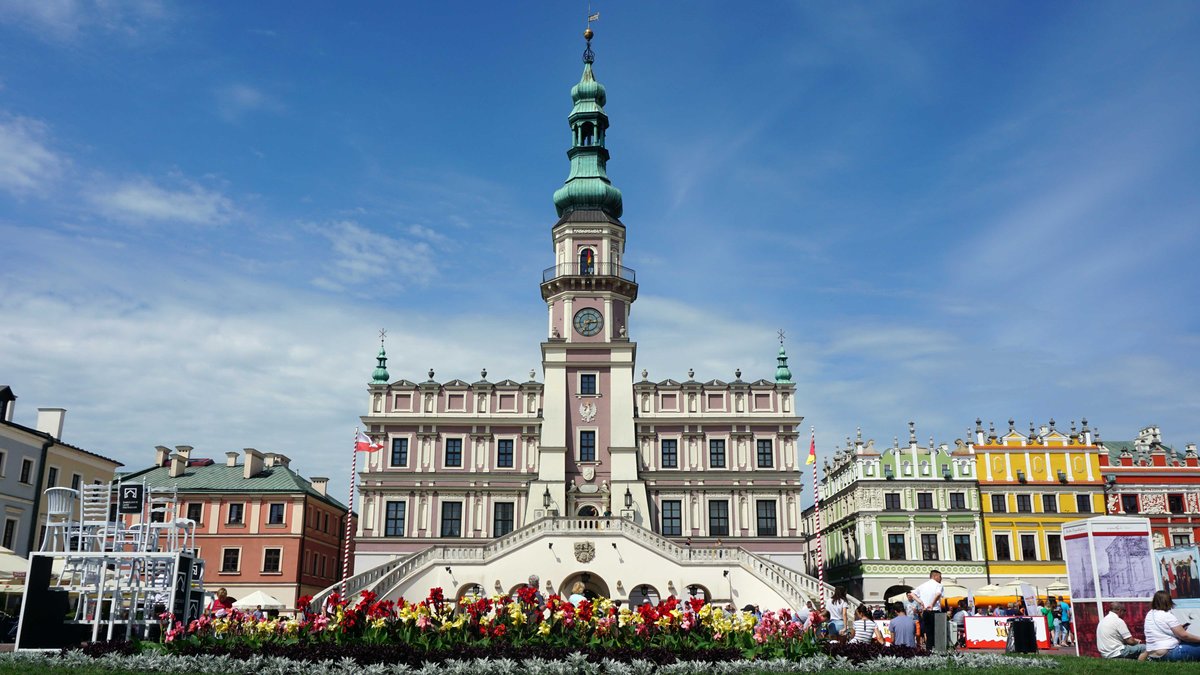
(364, 444)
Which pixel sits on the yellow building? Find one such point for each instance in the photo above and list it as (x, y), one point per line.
(66, 465)
(1029, 485)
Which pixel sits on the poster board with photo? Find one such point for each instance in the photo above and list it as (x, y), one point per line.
(1109, 558)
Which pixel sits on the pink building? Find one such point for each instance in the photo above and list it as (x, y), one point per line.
(594, 473)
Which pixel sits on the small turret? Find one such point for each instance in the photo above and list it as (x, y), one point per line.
(380, 376)
(782, 373)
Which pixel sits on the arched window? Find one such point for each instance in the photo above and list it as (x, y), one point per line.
(587, 261)
(586, 133)
(588, 512)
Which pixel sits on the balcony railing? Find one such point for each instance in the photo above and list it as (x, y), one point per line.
(595, 270)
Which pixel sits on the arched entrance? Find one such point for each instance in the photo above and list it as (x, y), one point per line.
(594, 585)
(588, 511)
(643, 593)
(893, 591)
(698, 591)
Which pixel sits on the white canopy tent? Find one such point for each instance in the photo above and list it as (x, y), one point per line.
(256, 599)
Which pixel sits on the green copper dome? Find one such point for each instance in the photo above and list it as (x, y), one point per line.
(782, 374)
(587, 186)
(380, 376)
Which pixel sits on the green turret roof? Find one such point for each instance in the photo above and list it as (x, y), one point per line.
(588, 186)
(380, 376)
(782, 374)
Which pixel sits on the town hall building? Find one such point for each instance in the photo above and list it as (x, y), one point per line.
(593, 473)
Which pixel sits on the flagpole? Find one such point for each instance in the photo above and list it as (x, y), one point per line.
(817, 506)
(349, 518)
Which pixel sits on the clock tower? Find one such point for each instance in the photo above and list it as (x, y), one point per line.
(588, 463)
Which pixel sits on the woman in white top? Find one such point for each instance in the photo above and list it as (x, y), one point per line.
(839, 609)
(1165, 637)
(865, 628)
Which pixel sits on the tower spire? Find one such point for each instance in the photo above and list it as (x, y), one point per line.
(380, 376)
(587, 186)
(782, 373)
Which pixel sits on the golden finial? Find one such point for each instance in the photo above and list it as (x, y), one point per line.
(587, 34)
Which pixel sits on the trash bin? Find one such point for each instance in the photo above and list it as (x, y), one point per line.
(941, 631)
(1022, 636)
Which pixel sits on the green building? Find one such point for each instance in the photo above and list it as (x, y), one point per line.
(890, 516)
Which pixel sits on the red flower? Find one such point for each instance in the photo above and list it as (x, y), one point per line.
(499, 630)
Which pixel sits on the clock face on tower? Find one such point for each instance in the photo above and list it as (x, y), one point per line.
(588, 322)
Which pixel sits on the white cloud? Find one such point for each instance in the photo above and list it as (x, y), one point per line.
(27, 165)
(362, 255)
(142, 201)
(236, 100)
(63, 20)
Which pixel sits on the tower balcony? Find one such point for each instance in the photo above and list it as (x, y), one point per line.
(575, 276)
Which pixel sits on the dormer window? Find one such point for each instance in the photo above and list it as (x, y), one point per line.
(587, 261)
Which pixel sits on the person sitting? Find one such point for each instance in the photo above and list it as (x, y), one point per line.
(864, 627)
(1113, 639)
(1166, 638)
(221, 605)
(959, 619)
(903, 627)
(825, 627)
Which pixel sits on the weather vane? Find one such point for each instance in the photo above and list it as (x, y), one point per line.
(382, 334)
(781, 336)
(591, 16)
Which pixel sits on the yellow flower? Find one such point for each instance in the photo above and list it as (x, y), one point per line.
(543, 629)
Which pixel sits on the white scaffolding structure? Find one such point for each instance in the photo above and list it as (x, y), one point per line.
(124, 556)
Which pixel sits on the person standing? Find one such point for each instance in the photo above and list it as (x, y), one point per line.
(929, 594)
(1166, 638)
(1065, 621)
(839, 609)
(1113, 639)
(903, 628)
(912, 606)
(1048, 614)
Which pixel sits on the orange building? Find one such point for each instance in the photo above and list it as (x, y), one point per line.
(260, 526)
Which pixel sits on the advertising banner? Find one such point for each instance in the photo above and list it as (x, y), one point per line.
(991, 632)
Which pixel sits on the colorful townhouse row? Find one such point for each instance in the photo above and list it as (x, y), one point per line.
(989, 511)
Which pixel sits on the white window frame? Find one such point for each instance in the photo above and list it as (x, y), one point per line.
(229, 513)
(579, 384)
(264, 569)
(221, 569)
(515, 444)
(408, 453)
(283, 520)
(1036, 541)
(16, 531)
(579, 445)
(462, 455)
(57, 470)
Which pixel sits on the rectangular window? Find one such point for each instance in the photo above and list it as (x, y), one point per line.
(504, 453)
(1083, 503)
(195, 511)
(718, 519)
(1028, 547)
(587, 446)
(451, 519)
(962, 547)
(670, 454)
(958, 501)
(275, 514)
(1175, 503)
(999, 504)
(1050, 503)
(924, 500)
(272, 560)
(393, 519)
(672, 518)
(76, 481)
(765, 454)
(399, 452)
(891, 501)
(453, 452)
(1054, 546)
(716, 454)
(1129, 503)
(325, 526)
(231, 559)
(26, 470)
(896, 547)
(1024, 504)
(10, 533)
(52, 477)
(766, 518)
(1180, 540)
(587, 384)
(236, 514)
(502, 518)
(1002, 550)
(929, 547)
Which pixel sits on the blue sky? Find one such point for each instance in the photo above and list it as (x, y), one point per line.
(208, 210)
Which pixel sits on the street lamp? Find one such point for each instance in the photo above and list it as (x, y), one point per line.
(546, 497)
(628, 499)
